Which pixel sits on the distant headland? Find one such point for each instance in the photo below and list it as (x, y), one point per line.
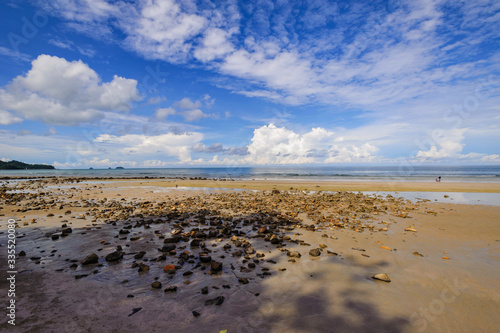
(16, 165)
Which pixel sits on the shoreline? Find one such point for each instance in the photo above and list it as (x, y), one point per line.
(283, 185)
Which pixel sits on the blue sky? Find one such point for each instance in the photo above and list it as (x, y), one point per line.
(196, 83)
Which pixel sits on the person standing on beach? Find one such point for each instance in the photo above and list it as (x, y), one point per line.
(438, 179)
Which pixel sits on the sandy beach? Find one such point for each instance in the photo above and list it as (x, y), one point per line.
(272, 256)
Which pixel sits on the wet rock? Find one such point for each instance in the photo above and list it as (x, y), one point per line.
(170, 289)
(140, 255)
(274, 239)
(114, 256)
(79, 276)
(382, 277)
(294, 254)
(156, 285)
(217, 301)
(135, 310)
(55, 237)
(168, 248)
(196, 314)
(169, 269)
(205, 258)
(90, 259)
(143, 268)
(215, 267)
(171, 240)
(243, 280)
(315, 252)
(22, 254)
(204, 290)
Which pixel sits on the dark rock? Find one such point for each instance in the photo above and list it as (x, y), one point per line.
(205, 258)
(114, 256)
(243, 280)
(135, 310)
(168, 248)
(196, 314)
(171, 240)
(215, 266)
(204, 290)
(90, 259)
(156, 285)
(170, 289)
(22, 254)
(143, 268)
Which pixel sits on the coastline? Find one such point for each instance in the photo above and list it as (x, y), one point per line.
(364, 236)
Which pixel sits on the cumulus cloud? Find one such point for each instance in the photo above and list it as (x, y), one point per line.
(7, 118)
(168, 144)
(163, 113)
(60, 92)
(277, 145)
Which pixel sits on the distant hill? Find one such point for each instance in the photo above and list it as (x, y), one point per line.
(16, 165)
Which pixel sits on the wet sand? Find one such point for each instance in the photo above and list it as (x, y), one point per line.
(359, 236)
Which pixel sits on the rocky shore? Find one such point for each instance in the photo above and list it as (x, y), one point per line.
(94, 254)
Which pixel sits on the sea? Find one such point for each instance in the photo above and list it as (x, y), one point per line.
(476, 174)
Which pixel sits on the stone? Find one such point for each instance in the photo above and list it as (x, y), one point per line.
(294, 254)
(90, 259)
(196, 314)
(216, 266)
(168, 248)
(114, 256)
(204, 290)
(143, 268)
(243, 280)
(170, 289)
(170, 269)
(156, 285)
(382, 277)
(315, 252)
(205, 258)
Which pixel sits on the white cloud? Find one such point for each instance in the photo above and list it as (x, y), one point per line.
(187, 104)
(215, 45)
(59, 92)
(163, 113)
(195, 115)
(278, 145)
(7, 118)
(168, 144)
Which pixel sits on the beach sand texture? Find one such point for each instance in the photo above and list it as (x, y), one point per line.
(290, 261)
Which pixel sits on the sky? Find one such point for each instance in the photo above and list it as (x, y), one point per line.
(96, 83)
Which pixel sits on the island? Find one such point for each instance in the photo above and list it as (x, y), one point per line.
(16, 165)
(119, 168)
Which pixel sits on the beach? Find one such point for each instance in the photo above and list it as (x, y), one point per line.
(191, 255)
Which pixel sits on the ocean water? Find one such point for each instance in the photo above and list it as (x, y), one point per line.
(479, 174)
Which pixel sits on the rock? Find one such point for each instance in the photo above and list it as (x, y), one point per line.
(196, 314)
(135, 310)
(90, 259)
(171, 240)
(114, 256)
(262, 230)
(22, 254)
(170, 289)
(418, 254)
(274, 239)
(187, 273)
(204, 290)
(205, 258)
(323, 246)
(243, 280)
(55, 237)
(143, 268)
(156, 285)
(382, 277)
(168, 248)
(315, 252)
(217, 301)
(294, 254)
(411, 229)
(215, 266)
(79, 276)
(170, 269)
